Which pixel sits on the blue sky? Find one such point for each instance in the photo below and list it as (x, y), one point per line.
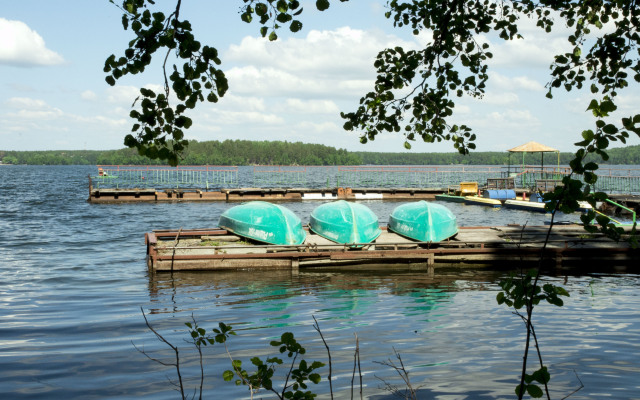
(53, 95)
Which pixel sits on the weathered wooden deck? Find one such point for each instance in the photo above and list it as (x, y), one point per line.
(266, 194)
(474, 247)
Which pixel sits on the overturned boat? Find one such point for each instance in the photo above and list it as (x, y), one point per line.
(345, 222)
(423, 221)
(264, 222)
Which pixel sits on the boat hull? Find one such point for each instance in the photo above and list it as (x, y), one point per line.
(423, 221)
(450, 198)
(525, 205)
(345, 222)
(264, 222)
(535, 206)
(481, 201)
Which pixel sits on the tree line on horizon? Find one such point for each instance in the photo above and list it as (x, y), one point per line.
(246, 152)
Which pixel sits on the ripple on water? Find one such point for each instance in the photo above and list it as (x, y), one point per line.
(73, 278)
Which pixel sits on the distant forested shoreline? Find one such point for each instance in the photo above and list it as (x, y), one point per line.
(245, 152)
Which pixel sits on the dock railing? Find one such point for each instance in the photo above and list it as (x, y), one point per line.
(413, 177)
(280, 176)
(610, 180)
(151, 176)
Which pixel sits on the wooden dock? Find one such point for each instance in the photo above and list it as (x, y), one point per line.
(266, 194)
(473, 247)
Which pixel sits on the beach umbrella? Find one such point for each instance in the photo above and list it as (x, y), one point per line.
(534, 147)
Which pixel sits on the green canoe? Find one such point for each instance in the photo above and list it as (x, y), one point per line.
(344, 222)
(450, 198)
(423, 221)
(264, 222)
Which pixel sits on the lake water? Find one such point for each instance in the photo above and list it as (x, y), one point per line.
(73, 280)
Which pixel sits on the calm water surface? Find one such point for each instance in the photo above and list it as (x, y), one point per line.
(73, 281)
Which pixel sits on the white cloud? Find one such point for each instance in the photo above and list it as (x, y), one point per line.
(535, 50)
(52, 113)
(243, 117)
(23, 47)
(125, 95)
(35, 115)
(462, 109)
(311, 106)
(336, 63)
(503, 82)
(230, 101)
(25, 103)
(88, 95)
(499, 98)
(272, 82)
(346, 51)
(122, 94)
(307, 127)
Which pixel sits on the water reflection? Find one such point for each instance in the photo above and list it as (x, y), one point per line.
(454, 339)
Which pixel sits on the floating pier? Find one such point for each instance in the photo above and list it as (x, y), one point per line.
(473, 247)
(266, 194)
(122, 183)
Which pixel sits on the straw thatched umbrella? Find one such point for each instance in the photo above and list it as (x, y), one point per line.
(533, 147)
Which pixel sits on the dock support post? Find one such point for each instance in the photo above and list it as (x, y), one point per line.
(295, 265)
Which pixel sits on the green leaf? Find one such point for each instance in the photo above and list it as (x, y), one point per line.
(610, 129)
(534, 391)
(322, 4)
(315, 378)
(273, 36)
(282, 6)
(261, 9)
(591, 166)
(227, 375)
(246, 17)
(295, 26)
(588, 135)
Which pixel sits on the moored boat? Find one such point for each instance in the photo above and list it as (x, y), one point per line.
(539, 206)
(525, 205)
(264, 222)
(345, 222)
(423, 221)
(481, 201)
(450, 198)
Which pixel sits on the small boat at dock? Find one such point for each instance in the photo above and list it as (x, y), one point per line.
(450, 198)
(460, 193)
(482, 201)
(536, 204)
(423, 221)
(525, 205)
(345, 222)
(265, 222)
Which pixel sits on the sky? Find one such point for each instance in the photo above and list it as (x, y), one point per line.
(53, 95)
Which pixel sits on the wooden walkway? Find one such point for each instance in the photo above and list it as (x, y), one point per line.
(266, 194)
(474, 247)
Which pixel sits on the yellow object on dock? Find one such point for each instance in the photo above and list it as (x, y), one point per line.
(468, 188)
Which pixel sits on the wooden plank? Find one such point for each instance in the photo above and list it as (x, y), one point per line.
(221, 264)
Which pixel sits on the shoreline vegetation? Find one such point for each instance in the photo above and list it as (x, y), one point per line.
(245, 152)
